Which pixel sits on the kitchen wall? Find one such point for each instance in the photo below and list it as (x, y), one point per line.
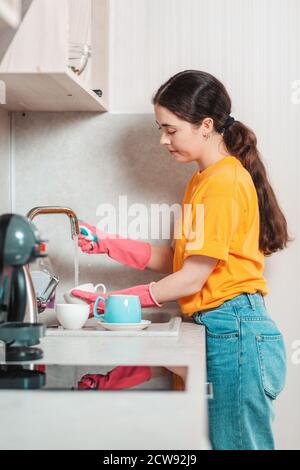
(82, 160)
(5, 162)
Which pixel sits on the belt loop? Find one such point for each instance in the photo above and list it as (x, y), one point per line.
(251, 301)
(197, 317)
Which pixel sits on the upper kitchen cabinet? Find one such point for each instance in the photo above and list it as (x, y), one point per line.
(58, 59)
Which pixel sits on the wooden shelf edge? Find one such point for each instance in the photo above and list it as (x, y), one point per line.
(55, 91)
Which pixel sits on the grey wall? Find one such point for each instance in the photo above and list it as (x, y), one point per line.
(81, 161)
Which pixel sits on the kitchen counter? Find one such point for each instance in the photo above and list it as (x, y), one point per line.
(127, 419)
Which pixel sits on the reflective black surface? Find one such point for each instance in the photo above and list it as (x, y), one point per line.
(55, 377)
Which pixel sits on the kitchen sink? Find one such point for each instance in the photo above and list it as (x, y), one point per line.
(48, 317)
(166, 323)
(160, 317)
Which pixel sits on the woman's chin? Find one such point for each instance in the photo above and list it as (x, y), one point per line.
(176, 154)
(179, 158)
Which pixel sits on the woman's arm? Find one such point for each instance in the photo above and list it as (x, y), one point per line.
(187, 281)
(134, 253)
(161, 259)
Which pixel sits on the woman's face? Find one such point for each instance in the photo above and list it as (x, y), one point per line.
(185, 142)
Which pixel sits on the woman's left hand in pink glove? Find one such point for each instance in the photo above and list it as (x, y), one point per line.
(90, 298)
(144, 292)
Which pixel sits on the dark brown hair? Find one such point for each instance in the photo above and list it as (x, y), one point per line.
(193, 95)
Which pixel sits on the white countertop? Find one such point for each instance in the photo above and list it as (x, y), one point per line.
(128, 419)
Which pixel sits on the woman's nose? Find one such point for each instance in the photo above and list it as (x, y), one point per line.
(165, 140)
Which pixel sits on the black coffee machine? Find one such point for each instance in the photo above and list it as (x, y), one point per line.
(20, 244)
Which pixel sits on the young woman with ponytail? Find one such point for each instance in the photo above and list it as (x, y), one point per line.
(216, 275)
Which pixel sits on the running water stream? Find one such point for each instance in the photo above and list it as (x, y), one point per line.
(76, 262)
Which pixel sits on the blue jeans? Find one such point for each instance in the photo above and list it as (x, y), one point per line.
(246, 364)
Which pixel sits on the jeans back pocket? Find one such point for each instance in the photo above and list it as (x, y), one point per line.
(272, 361)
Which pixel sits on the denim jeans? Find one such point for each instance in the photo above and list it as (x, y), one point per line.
(246, 364)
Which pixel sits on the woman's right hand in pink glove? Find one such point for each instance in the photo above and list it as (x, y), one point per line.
(133, 253)
(88, 240)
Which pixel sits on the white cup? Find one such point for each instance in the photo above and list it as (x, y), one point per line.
(89, 287)
(72, 317)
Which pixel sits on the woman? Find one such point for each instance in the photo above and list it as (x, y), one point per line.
(216, 273)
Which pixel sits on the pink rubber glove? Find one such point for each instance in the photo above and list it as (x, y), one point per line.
(133, 253)
(143, 291)
(117, 379)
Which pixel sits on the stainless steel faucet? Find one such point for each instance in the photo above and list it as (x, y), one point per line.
(57, 210)
(34, 304)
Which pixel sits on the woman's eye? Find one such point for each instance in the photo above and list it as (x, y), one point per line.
(169, 132)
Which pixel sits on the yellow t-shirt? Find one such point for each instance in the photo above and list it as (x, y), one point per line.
(220, 219)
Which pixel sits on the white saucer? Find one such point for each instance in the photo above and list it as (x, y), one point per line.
(125, 326)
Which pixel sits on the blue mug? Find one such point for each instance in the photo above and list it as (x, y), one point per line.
(120, 309)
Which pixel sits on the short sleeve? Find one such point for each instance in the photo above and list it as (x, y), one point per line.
(209, 226)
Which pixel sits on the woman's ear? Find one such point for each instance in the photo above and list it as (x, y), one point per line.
(207, 124)
(206, 127)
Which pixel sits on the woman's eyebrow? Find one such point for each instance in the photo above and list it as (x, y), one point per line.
(165, 125)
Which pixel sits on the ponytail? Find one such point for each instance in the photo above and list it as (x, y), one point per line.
(241, 142)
